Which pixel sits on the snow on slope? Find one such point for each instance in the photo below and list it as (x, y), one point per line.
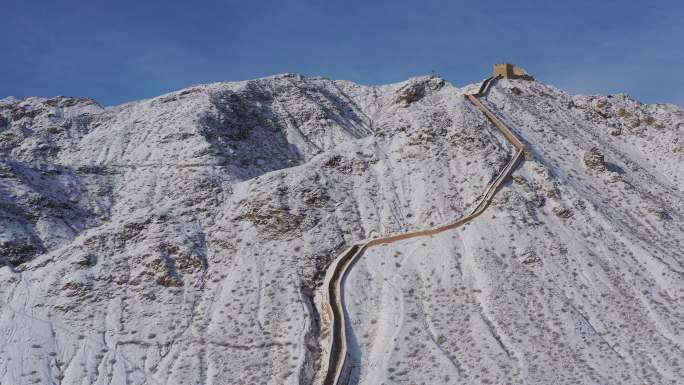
(181, 239)
(574, 276)
(219, 208)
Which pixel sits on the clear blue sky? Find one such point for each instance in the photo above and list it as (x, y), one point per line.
(120, 50)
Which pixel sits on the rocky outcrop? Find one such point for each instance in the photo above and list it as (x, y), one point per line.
(416, 89)
(594, 159)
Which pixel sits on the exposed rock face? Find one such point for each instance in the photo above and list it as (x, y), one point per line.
(594, 160)
(180, 239)
(415, 89)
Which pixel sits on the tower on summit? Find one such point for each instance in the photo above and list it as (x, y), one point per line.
(511, 71)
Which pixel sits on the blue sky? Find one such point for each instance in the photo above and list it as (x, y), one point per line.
(120, 50)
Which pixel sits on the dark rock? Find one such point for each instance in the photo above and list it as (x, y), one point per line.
(562, 212)
(14, 253)
(530, 257)
(594, 159)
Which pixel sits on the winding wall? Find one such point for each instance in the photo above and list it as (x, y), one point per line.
(333, 302)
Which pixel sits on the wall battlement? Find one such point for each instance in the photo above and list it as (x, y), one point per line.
(511, 71)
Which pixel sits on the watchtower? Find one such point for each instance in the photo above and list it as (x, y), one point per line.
(511, 71)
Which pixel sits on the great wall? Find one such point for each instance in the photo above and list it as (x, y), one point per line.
(338, 370)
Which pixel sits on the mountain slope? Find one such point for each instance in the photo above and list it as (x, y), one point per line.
(182, 239)
(574, 276)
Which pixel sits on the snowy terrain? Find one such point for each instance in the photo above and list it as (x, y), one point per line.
(183, 239)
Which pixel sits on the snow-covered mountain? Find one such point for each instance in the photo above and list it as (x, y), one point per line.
(184, 239)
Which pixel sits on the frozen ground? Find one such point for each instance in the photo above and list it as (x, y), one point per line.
(182, 239)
